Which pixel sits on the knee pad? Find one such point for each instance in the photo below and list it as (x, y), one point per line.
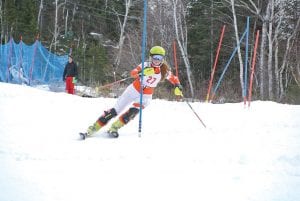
(130, 114)
(108, 115)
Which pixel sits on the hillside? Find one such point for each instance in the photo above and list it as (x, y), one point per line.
(245, 154)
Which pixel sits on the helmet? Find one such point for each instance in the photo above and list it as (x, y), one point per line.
(157, 50)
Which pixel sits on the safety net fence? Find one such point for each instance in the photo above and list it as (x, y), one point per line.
(30, 64)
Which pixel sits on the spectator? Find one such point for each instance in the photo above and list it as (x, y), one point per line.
(70, 75)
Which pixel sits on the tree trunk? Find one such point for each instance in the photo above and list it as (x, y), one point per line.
(55, 35)
(262, 60)
(122, 34)
(285, 59)
(270, 15)
(239, 49)
(182, 43)
(211, 33)
(276, 52)
(39, 24)
(66, 23)
(1, 21)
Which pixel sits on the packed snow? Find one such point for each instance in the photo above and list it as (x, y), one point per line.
(244, 154)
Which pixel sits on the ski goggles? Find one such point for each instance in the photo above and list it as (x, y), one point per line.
(158, 57)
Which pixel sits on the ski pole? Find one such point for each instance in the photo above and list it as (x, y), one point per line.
(113, 83)
(195, 112)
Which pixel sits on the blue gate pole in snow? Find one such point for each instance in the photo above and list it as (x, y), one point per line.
(9, 59)
(36, 43)
(143, 63)
(246, 63)
(227, 65)
(20, 60)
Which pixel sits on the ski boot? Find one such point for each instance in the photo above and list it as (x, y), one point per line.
(113, 131)
(102, 121)
(90, 131)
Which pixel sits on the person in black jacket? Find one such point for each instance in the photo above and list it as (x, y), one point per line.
(70, 75)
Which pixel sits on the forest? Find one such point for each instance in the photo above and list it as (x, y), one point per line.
(105, 38)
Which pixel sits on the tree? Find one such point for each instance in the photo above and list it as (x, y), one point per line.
(181, 37)
(238, 45)
(122, 25)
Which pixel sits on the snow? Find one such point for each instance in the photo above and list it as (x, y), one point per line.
(244, 154)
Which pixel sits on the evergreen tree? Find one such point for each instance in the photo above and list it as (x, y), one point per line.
(26, 23)
(9, 18)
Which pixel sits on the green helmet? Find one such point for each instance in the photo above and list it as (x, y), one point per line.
(157, 50)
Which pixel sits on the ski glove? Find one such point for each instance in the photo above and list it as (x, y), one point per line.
(178, 90)
(74, 80)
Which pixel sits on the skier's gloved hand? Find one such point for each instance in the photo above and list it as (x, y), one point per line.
(148, 71)
(178, 90)
(64, 79)
(74, 80)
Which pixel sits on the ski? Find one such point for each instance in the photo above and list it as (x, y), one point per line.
(114, 134)
(83, 136)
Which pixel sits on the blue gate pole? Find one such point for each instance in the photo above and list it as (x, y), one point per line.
(227, 65)
(246, 63)
(143, 64)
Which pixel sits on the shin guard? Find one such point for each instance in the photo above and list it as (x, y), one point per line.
(108, 115)
(129, 115)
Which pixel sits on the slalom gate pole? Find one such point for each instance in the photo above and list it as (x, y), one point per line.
(9, 59)
(143, 64)
(33, 59)
(227, 65)
(252, 67)
(20, 58)
(215, 63)
(187, 102)
(246, 63)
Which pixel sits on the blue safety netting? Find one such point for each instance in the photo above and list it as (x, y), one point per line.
(30, 64)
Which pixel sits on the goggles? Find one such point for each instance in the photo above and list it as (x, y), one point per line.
(158, 57)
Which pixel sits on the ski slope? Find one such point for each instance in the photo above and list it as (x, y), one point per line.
(244, 154)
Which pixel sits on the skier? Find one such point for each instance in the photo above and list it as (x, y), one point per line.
(70, 75)
(155, 70)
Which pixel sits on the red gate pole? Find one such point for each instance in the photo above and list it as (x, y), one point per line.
(215, 63)
(252, 67)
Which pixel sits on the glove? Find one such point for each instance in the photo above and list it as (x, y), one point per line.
(148, 72)
(74, 80)
(64, 79)
(178, 90)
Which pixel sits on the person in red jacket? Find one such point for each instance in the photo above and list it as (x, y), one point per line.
(155, 71)
(70, 75)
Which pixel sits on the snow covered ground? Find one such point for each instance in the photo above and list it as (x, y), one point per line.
(244, 154)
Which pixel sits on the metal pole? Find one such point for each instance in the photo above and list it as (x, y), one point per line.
(215, 63)
(252, 68)
(143, 61)
(246, 63)
(195, 113)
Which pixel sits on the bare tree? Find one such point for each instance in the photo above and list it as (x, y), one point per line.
(181, 37)
(66, 22)
(276, 51)
(56, 27)
(285, 60)
(270, 14)
(128, 4)
(265, 14)
(39, 21)
(276, 30)
(238, 41)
